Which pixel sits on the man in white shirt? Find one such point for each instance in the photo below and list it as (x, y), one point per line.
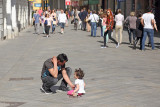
(94, 18)
(148, 23)
(119, 18)
(62, 20)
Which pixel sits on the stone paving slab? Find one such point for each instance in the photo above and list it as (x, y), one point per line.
(119, 77)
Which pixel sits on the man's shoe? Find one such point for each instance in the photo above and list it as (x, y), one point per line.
(46, 92)
(63, 88)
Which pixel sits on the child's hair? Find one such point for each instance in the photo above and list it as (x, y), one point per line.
(79, 73)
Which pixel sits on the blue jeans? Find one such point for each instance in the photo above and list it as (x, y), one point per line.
(53, 27)
(149, 32)
(93, 28)
(62, 25)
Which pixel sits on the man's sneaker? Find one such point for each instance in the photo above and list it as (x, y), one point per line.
(62, 88)
(117, 45)
(46, 92)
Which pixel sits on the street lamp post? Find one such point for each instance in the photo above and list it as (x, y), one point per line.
(88, 4)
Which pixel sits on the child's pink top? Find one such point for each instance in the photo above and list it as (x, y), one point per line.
(104, 21)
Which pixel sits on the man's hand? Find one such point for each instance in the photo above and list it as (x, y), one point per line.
(72, 86)
(54, 60)
(54, 71)
(66, 78)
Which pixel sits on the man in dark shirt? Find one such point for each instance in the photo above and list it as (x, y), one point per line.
(83, 17)
(80, 17)
(53, 70)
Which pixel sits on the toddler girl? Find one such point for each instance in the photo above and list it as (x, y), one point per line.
(79, 83)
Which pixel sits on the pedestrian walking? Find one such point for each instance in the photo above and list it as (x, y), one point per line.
(47, 23)
(119, 18)
(53, 70)
(83, 17)
(104, 20)
(94, 20)
(88, 23)
(54, 21)
(132, 27)
(139, 30)
(36, 19)
(148, 22)
(101, 23)
(42, 22)
(109, 28)
(62, 20)
(80, 19)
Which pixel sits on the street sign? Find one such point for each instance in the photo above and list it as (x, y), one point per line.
(38, 5)
(68, 2)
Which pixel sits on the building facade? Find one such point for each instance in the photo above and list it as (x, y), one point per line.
(133, 5)
(57, 4)
(15, 15)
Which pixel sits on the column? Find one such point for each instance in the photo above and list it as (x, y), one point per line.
(1, 19)
(14, 21)
(8, 19)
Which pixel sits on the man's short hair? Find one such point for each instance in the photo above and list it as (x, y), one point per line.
(149, 9)
(62, 57)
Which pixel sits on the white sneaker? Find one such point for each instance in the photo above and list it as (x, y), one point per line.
(103, 47)
(117, 45)
(46, 92)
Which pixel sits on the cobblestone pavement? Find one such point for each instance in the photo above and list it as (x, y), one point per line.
(115, 77)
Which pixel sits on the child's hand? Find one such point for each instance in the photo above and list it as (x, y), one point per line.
(75, 94)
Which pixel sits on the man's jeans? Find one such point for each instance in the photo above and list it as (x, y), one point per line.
(93, 28)
(149, 32)
(36, 28)
(50, 81)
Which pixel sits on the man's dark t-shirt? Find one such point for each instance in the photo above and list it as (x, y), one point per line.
(48, 64)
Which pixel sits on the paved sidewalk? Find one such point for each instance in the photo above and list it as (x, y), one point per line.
(119, 77)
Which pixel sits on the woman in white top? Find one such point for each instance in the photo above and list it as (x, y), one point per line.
(79, 83)
(47, 24)
(119, 18)
(54, 20)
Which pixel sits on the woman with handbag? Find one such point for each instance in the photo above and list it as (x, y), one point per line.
(109, 28)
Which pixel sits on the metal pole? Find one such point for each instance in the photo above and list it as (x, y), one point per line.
(88, 4)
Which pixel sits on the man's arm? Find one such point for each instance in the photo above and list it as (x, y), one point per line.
(154, 24)
(54, 71)
(66, 78)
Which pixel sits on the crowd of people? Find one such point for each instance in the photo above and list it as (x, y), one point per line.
(54, 69)
(137, 24)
